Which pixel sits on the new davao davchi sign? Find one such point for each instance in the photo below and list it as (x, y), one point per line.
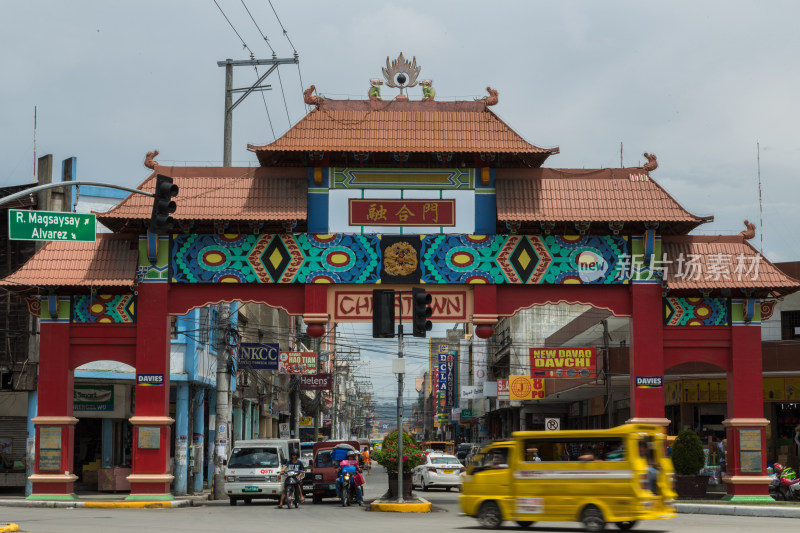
(563, 362)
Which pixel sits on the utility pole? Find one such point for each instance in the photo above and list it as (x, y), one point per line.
(223, 402)
(230, 105)
(318, 342)
(607, 371)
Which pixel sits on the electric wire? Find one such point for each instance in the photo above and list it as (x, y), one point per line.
(244, 44)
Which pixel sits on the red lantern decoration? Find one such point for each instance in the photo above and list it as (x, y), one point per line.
(484, 331)
(315, 330)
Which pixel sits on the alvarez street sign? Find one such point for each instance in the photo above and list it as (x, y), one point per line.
(28, 225)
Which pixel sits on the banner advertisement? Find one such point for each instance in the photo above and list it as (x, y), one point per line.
(257, 355)
(503, 394)
(316, 382)
(306, 421)
(93, 398)
(525, 388)
(297, 363)
(479, 351)
(563, 362)
(470, 392)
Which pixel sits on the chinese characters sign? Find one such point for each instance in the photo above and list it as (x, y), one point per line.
(297, 363)
(563, 362)
(379, 212)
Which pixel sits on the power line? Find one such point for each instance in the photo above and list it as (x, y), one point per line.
(244, 44)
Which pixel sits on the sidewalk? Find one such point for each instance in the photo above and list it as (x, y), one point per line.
(107, 500)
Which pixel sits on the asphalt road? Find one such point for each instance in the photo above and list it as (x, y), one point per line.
(261, 517)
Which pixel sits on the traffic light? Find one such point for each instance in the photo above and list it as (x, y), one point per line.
(421, 312)
(163, 205)
(382, 313)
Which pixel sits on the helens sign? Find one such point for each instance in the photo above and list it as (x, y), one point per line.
(315, 382)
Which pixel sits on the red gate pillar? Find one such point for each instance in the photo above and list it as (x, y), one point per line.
(647, 354)
(746, 426)
(150, 478)
(53, 477)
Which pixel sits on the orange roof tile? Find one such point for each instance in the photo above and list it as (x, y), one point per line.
(110, 261)
(725, 262)
(221, 193)
(602, 195)
(397, 126)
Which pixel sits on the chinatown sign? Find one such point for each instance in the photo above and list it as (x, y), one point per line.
(356, 305)
(563, 362)
(401, 212)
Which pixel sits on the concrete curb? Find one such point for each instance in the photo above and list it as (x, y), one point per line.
(423, 506)
(6, 527)
(94, 505)
(739, 510)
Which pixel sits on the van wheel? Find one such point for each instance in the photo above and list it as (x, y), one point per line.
(524, 523)
(625, 526)
(233, 501)
(248, 501)
(489, 515)
(316, 499)
(592, 519)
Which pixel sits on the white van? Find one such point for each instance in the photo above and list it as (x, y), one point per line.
(253, 469)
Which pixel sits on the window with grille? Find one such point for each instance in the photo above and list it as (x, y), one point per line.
(790, 325)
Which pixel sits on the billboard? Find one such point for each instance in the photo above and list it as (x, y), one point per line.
(297, 363)
(258, 355)
(316, 382)
(525, 388)
(563, 362)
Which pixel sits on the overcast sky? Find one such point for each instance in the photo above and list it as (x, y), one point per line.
(697, 83)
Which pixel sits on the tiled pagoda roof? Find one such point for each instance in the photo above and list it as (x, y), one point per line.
(402, 127)
(207, 194)
(589, 195)
(725, 262)
(111, 261)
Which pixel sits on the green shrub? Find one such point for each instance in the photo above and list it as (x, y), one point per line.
(387, 455)
(687, 453)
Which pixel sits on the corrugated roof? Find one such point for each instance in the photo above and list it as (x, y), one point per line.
(397, 126)
(110, 261)
(602, 195)
(725, 262)
(222, 193)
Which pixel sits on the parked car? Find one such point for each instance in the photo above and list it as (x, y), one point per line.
(438, 470)
(473, 451)
(462, 450)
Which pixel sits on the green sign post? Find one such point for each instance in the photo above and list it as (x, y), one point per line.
(28, 225)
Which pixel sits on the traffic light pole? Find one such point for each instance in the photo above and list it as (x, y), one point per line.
(400, 375)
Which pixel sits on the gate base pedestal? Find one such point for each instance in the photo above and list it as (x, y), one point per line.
(149, 498)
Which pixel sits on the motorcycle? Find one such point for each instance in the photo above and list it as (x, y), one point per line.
(789, 489)
(349, 493)
(292, 487)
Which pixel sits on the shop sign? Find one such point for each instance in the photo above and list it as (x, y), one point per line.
(257, 355)
(503, 394)
(466, 414)
(93, 398)
(150, 380)
(525, 388)
(316, 382)
(563, 362)
(469, 392)
(401, 212)
(306, 421)
(649, 382)
(297, 363)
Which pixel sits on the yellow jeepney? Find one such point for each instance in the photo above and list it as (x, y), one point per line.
(618, 475)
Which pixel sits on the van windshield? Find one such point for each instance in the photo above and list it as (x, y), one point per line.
(253, 457)
(324, 459)
(557, 448)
